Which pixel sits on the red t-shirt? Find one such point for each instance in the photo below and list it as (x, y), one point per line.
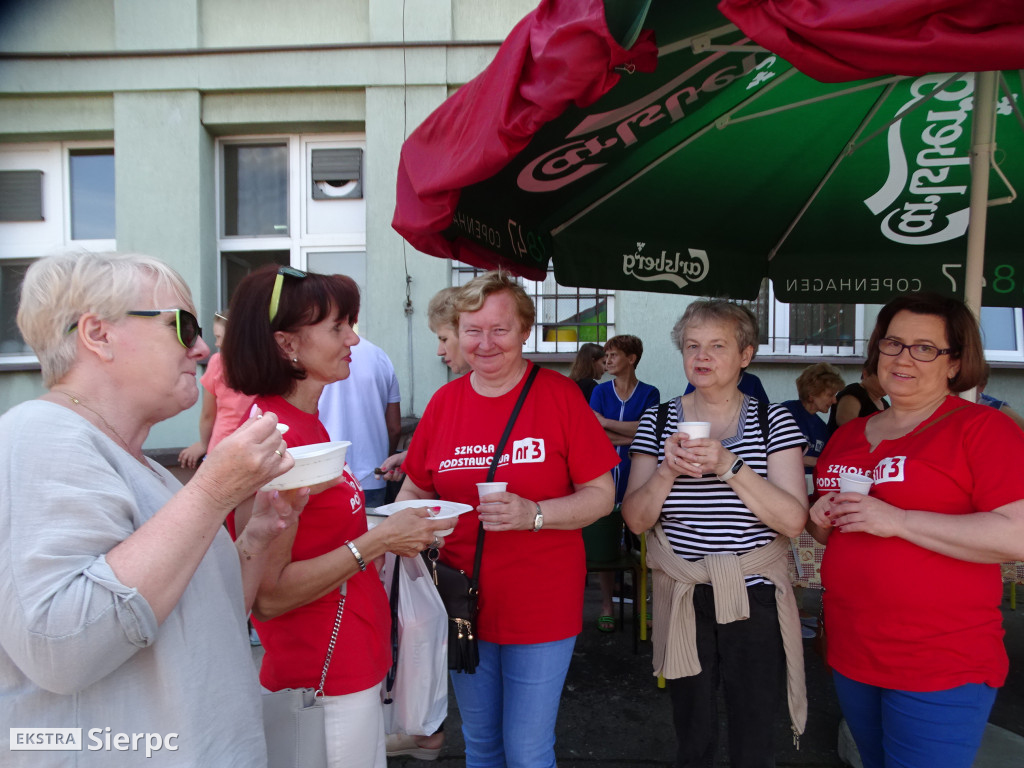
(295, 643)
(898, 615)
(531, 584)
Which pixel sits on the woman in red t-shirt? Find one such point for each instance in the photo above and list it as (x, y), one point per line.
(290, 335)
(557, 464)
(916, 670)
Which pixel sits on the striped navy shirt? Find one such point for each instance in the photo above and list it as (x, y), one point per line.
(704, 516)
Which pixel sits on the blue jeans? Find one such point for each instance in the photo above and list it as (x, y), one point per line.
(375, 497)
(510, 704)
(909, 729)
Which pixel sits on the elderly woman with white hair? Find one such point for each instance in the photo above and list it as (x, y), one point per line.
(721, 507)
(123, 600)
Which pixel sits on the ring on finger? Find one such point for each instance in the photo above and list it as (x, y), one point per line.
(279, 454)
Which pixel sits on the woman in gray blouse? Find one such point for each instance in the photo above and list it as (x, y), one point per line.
(123, 601)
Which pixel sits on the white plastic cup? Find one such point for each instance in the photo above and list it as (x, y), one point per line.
(485, 489)
(695, 429)
(851, 482)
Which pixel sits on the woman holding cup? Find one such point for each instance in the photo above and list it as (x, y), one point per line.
(916, 670)
(721, 508)
(557, 465)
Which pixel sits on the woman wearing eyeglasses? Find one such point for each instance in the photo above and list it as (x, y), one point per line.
(122, 600)
(290, 335)
(911, 574)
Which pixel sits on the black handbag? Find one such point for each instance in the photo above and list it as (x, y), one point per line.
(459, 592)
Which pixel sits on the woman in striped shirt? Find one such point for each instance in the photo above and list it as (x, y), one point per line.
(720, 510)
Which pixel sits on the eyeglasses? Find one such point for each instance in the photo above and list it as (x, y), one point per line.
(923, 353)
(275, 295)
(185, 323)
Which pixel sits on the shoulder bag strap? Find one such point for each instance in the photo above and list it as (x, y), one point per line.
(661, 420)
(494, 468)
(330, 646)
(762, 418)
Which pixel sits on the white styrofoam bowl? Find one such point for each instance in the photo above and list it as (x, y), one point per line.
(314, 463)
(449, 509)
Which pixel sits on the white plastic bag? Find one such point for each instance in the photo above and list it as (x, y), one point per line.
(419, 695)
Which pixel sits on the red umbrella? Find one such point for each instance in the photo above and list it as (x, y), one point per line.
(838, 40)
(492, 118)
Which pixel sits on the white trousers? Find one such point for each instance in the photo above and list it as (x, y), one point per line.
(355, 730)
(354, 726)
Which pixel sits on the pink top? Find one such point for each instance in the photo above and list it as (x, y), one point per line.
(232, 406)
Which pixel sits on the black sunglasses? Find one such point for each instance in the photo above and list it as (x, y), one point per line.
(185, 323)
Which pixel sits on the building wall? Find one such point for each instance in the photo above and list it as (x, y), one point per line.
(171, 78)
(166, 80)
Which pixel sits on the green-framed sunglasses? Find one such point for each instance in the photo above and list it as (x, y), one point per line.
(185, 323)
(275, 295)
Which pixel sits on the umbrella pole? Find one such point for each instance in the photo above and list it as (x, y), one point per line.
(982, 148)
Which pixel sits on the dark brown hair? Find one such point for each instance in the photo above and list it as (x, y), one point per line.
(253, 362)
(583, 365)
(627, 345)
(962, 334)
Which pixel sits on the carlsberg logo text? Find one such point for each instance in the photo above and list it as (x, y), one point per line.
(924, 199)
(675, 268)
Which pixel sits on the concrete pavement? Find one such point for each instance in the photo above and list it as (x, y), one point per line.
(613, 714)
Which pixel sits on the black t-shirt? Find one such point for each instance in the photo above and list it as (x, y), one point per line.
(867, 405)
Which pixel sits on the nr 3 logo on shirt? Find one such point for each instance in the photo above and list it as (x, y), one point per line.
(890, 470)
(528, 450)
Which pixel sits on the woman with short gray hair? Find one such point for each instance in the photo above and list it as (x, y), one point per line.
(719, 509)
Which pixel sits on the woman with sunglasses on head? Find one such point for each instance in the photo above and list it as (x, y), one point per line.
(290, 335)
(118, 587)
(917, 670)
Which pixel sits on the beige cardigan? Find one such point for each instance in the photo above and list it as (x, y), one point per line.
(674, 635)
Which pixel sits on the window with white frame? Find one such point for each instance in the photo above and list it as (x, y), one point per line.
(839, 329)
(1001, 331)
(291, 200)
(53, 196)
(566, 317)
(813, 330)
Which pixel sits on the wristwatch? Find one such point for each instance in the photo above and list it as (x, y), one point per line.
(538, 521)
(731, 472)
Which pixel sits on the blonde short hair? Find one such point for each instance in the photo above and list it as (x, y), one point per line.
(474, 293)
(441, 310)
(59, 289)
(817, 378)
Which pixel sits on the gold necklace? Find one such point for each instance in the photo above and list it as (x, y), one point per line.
(77, 401)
